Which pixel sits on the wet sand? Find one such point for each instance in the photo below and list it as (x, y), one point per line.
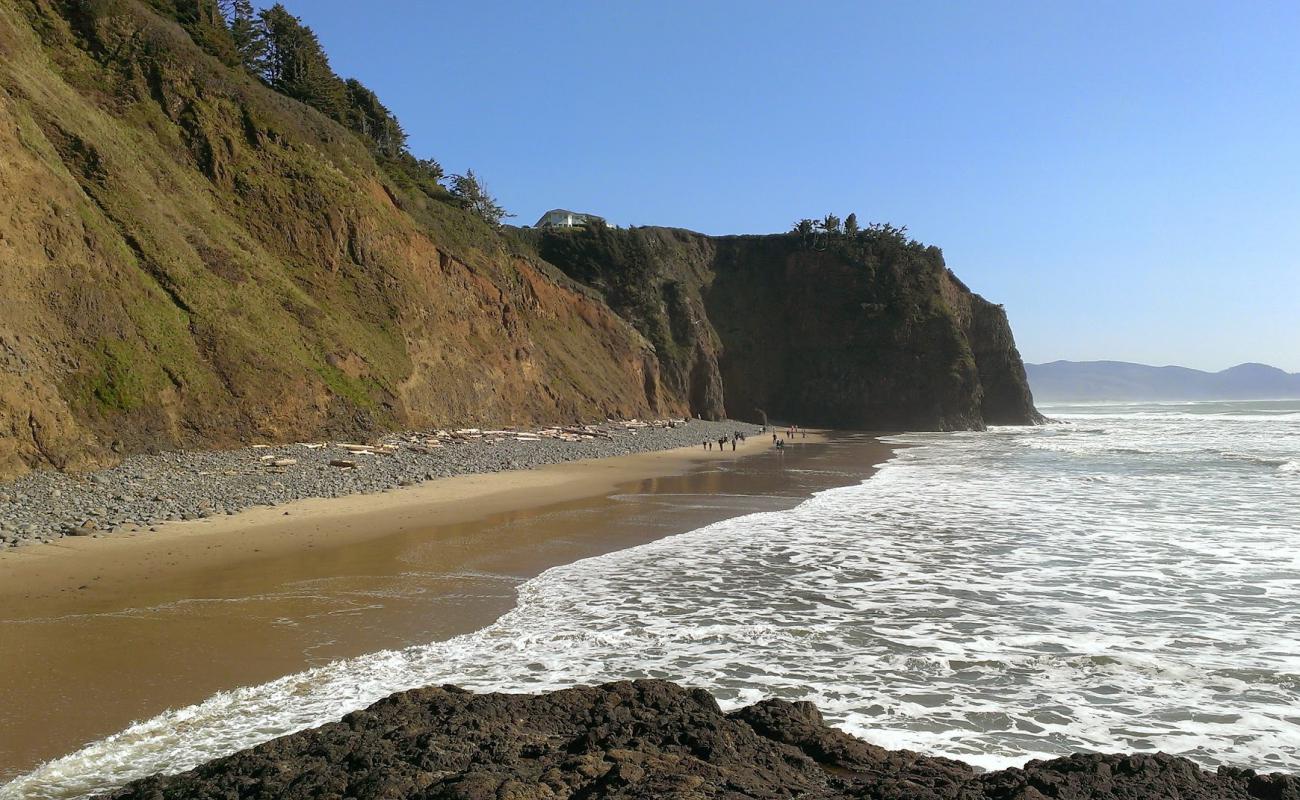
(96, 633)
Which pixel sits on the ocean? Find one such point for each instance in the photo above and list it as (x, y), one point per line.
(1125, 578)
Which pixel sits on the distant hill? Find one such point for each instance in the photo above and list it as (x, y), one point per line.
(1120, 380)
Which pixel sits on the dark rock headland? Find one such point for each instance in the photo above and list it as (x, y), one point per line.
(649, 739)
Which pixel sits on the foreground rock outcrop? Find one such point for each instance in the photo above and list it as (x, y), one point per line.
(649, 739)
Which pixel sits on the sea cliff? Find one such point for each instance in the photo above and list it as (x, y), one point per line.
(868, 330)
(192, 259)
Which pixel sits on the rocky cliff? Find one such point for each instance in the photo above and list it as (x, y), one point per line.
(651, 739)
(869, 331)
(190, 259)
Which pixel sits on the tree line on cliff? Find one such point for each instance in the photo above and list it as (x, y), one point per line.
(852, 239)
(277, 48)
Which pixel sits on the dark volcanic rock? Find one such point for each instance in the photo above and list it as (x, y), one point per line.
(649, 739)
(869, 332)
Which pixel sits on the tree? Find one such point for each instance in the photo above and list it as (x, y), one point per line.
(805, 229)
(474, 196)
(296, 64)
(884, 231)
(202, 20)
(831, 223)
(851, 225)
(247, 33)
(428, 169)
(372, 119)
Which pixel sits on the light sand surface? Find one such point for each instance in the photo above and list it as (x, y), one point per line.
(92, 573)
(95, 633)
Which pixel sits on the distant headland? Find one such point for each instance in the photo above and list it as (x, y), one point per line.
(1090, 381)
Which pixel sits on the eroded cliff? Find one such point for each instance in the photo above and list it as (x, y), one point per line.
(870, 331)
(190, 259)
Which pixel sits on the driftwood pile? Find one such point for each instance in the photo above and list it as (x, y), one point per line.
(428, 442)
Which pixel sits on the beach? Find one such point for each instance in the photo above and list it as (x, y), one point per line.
(103, 631)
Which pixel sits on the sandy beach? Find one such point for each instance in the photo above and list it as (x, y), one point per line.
(101, 632)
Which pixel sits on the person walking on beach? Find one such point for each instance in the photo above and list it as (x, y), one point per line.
(773, 437)
(733, 444)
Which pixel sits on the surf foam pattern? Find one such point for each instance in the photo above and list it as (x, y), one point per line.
(1129, 580)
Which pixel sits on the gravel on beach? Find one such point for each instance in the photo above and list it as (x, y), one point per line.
(143, 491)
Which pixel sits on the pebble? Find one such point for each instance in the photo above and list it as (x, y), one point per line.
(172, 486)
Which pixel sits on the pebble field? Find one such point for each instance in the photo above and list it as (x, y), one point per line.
(143, 491)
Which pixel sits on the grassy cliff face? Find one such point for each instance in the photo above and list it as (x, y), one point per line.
(189, 259)
(867, 332)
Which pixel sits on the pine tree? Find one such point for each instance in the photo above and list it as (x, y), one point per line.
(202, 19)
(851, 225)
(369, 117)
(296, 64)
(248, 34)
(474, 196)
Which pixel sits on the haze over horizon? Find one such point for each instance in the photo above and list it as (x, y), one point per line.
(1161, 365)
(1124, 179)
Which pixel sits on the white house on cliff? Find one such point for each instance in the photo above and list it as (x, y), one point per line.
(560, 218)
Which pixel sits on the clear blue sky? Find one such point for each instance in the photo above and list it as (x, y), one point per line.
(1124, 177)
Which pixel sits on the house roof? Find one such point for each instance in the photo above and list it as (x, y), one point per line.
(563, 211)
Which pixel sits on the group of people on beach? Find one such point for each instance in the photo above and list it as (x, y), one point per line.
(736, 436)
(778, 440)
(790, 433)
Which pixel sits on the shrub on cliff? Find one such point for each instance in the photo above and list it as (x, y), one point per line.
(470, 192)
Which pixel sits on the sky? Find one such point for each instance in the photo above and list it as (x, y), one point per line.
(1123, 176)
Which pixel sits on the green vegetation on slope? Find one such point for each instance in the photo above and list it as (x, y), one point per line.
(208, 237)
(189, 258)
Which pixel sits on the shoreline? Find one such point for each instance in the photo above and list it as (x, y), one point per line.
(193, 593)
(41, 574)
(145, 491)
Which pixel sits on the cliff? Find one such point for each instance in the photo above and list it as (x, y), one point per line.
(870, 331)
(191, 259)
(188, 259)
(651, 739)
